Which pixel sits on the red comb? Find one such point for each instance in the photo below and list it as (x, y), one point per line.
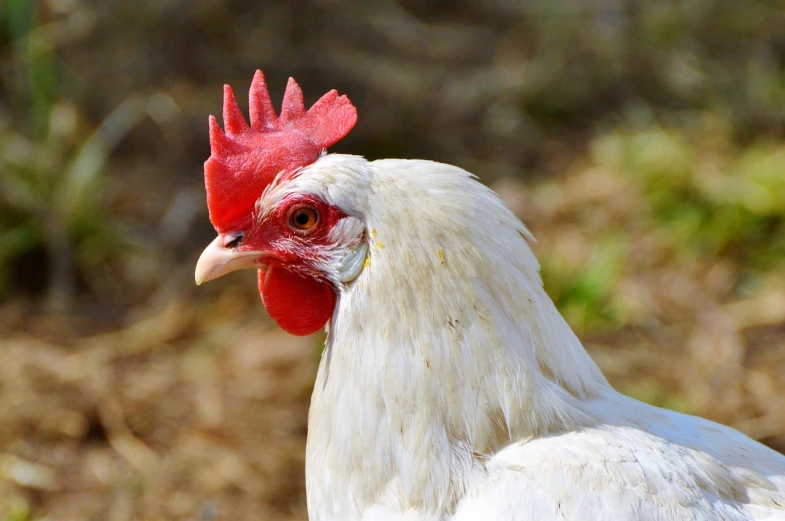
(244, 160)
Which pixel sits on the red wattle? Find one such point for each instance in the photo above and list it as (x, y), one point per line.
(300, 305)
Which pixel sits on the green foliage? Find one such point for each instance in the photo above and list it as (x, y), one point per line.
(18, 510)
(588, 59)
(655, 392)
(711, 196)
(694, 195)
(52, 165)
(584, 292)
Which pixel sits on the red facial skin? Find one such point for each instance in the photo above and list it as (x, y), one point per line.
(296, 294)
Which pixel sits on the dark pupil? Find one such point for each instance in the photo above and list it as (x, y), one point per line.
(302, 218)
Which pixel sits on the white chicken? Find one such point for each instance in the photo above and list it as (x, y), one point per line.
(450, 387)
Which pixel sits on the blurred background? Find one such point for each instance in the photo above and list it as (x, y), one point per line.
(642, 141)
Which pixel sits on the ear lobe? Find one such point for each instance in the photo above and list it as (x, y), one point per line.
(300, 305)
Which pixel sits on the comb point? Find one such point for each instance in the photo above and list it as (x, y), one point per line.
(292, 106)
(217, 136)
(234, 121)
(260, 106)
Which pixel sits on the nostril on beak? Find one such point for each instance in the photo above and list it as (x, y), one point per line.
(233, 239)
(222, 256)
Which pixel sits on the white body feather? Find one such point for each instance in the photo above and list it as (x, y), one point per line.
(451, 388)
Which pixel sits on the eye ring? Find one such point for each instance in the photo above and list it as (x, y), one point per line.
(303, 219)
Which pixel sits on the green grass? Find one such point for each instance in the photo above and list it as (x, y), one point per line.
(712, 196)
(53, 168)
(584, 293)
(702, 196)
(17, 510)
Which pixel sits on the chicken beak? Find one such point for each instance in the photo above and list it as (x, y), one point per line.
(217, 260)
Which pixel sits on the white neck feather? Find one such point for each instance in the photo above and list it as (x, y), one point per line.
(443, 350)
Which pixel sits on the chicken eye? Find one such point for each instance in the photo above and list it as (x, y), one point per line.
(303, 219)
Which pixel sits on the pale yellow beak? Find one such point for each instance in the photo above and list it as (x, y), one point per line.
(217, 260)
